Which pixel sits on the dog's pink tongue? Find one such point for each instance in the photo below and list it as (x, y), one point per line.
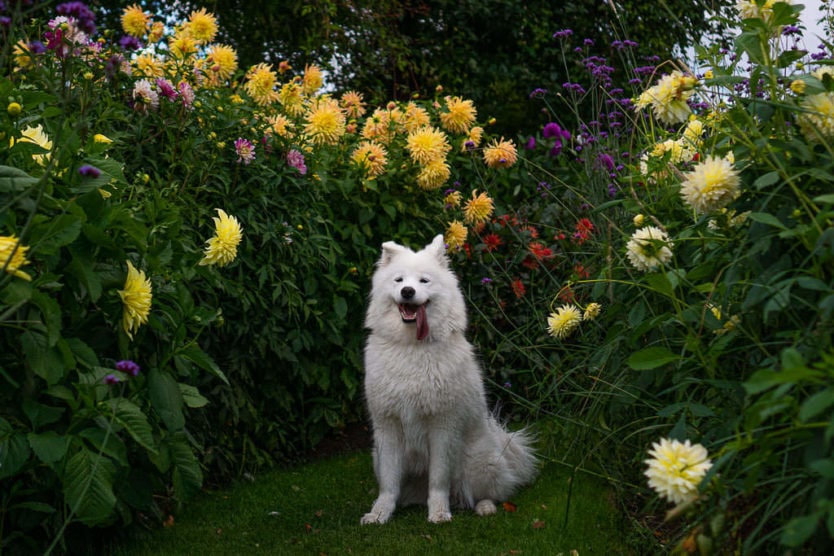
(422, 323)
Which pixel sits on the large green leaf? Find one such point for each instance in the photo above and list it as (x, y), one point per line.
(130, 416)
(48, 236)
(200, 358)
(45, 361)
(13, 180)
(166, 399)
(49, 446)
(187, 475)
(88, 487)
(14, 450)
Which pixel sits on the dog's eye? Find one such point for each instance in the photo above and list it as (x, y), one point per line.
(424, 280)
(398, 279)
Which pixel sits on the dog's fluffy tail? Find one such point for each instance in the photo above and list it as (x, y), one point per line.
(501, 462)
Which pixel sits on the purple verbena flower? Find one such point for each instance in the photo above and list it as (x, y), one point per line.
(111, 379)
(128, 367)
(89, 171)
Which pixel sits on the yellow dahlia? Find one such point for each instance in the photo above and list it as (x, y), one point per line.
(202, 26)
(427, 145)
(649, 248)
(137, 297)
(460, 115)
(473, 139)
(455, 236)
(500, 154)
(291, 99)
(222, 61)
(13, 256)
(22, 55)
(260, 84)
(676, 469)
(668, 97)
(433, 175)
(353, 104)
(148, 65)
(478, 209)
(221, 249)
(157, 32)
(415, 117)
(592, 311)
(279, 125)
(312, 80)
(325, 122)
(135, 22)
(372, 157)
(452, 199)
(182, 44)
(711, 185)
(561, 323)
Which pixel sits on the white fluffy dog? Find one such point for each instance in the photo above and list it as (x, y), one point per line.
(435, 441)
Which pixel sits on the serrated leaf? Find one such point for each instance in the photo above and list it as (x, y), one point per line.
(187, 475)
(48, 446)
(200, 358)
(191, 396)
(130, 416)
(47, 237)
(651, 358)
(767, 218)
(44, 360)
(14, 450)
(88, 487)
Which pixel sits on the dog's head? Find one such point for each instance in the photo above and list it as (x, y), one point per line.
(415, 293)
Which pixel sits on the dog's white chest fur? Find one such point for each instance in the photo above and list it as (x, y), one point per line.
(435, 442)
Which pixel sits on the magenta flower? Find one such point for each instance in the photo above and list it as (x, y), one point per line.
(245, 150)
(111, 379)
(89, 171)
(166, 89)
(296, 160)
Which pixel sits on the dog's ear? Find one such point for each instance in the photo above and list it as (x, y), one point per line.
(438, 247)
(389, 250)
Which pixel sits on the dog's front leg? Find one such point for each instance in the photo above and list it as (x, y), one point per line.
(441, 461)
(388, 465)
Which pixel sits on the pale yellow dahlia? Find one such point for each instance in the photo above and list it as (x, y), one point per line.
(676, 469)
(221, 249)
(380, 126)
(260, 84)
(668, 98)
(312, 80)
(478, 209)
(137, 297)
(222, 61)
(649, 248)
(563, 321)
(372, 157)
(202, 26)
(455, 236)
(500, 154)
(22, 55)
(427, 145)
(473, 139)
(817, 119)
(459, 115)
(13, 256)
(135, 22)
(711, 185)
(37, 136)
(279, 125)
(325, 122)
(182, 44)
(433, 175)
(452, 199)
(592, 311)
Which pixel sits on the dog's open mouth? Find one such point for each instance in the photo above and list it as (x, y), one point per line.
(417, 314)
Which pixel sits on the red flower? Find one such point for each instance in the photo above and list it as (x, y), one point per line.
(567, 296)
(540, 251)
(581, 272)
(518, 288)
(492, 242)
(584, 229)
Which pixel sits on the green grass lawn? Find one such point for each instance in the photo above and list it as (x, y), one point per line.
(315, 509)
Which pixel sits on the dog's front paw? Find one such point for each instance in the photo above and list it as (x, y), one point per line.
(372, 517)
(440, 516)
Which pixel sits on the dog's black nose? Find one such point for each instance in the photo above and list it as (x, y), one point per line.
(407, 292)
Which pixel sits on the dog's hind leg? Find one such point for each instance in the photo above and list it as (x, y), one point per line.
(388, 464)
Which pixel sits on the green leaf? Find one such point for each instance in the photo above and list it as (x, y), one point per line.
(191, 396)
(766, 180)
(81, 266)
(130, 416)
(799, 529)
(13, 180)
(45, 361)
(48, 446)
(651, 358)
(816, 404)
(109, 444)
(14, 450)
(166, 399)
(187, 475)
(88, 487)
(40, 414)
(46, 237)
(767, 218)
(200, 358)
(340, 307)
(824, 467)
